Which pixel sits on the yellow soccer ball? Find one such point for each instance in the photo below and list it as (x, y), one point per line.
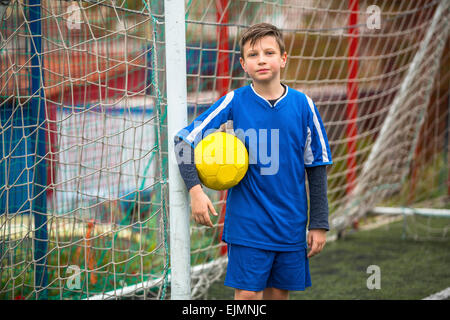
(221, 160)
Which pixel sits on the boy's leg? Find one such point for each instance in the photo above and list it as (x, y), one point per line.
(248, 270)
(240, 294)
(275, 294)
(290, 271)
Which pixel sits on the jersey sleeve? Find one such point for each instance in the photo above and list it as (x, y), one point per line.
(317, 149)
(208, 122)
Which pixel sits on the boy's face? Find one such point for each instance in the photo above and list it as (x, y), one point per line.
(263, 61)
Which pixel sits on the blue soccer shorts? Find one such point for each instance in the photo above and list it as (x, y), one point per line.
(255, 269)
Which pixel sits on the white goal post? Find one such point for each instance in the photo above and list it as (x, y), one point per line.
(177, 118)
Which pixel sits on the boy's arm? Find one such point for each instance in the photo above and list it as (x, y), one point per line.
(318, 201)
(207, 122)
(317, 156)
(187, 168)
(200, 203)
(318, 212)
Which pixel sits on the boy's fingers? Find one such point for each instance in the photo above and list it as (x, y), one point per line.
(211, 207)
(207, 220)
(314, 250)
(198, 217)
(204, 219)
(311, 253)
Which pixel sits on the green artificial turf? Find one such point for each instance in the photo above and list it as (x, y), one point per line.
(409, 269)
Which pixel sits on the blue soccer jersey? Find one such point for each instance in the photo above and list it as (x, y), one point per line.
(268, 208)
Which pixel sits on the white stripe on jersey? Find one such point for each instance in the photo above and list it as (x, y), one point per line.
(223, 105)
(317, 125)
(309, 157)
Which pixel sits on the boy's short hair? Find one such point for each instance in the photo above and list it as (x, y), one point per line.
(258, 31)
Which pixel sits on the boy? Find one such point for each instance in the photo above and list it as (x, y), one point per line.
(266, 213)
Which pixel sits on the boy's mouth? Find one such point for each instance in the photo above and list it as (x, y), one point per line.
(263, 70)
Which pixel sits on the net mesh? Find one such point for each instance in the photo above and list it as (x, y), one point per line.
(83, 166)
(105, 157)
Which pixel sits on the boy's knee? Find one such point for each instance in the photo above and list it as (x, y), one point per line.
(247, 295)
(275, 294)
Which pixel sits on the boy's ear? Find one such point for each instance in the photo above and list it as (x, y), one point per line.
(242, 61)
(283, 59)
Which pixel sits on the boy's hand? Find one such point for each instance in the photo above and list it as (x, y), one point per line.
(200, 204)
(316, 241)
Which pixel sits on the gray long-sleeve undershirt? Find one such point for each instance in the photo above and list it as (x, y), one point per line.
(317, 180)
